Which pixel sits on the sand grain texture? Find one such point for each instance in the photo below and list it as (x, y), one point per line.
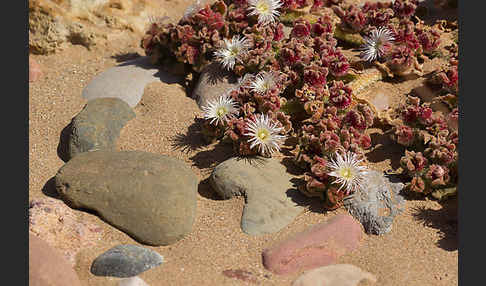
(421, 249)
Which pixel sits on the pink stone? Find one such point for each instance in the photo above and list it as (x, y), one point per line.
(241, 274)
(47, 266)
(57, 224)
(321, 244)
(35, 71)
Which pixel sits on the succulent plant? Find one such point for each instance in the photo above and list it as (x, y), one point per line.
(300, 86)
(431, 139)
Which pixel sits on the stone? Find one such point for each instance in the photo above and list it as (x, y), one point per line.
(125, 260)
(267, 187)
(47, 267)
(377, 204)
(151, 197)
(338, 275)
(212, 83)
(320, 245)
(126, 81)
(132, 281)
(57, 224)
(97, 126)
(380, 101)
(35, 71)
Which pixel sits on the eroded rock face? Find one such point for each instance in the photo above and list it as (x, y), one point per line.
(149, 196)
(321, 244)
(52, 24)
(268, 190)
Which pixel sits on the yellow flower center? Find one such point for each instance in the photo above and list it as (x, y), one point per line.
(262, 7)
(234, 51)
(346, 173)
(263, 134)
(221, 111)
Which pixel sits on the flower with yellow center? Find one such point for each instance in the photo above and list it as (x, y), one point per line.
(266, 10)
(347, 172)
(263, 82)
(220, 109)
(375, 45)
(264, 134)
(232, 51)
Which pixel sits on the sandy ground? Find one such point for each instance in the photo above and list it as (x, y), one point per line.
(421, 249)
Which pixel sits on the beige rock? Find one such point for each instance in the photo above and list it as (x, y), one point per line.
(53, 23)
(81, 7)
(54, 222)
(335, 275)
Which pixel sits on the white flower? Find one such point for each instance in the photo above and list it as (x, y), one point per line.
(348, 172)
(264, 134)
(374, 47)
(263, 82)
(266, 10)
(220, 109)
(232, 51)
(192, 9)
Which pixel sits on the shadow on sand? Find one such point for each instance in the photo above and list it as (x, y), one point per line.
(445, 220)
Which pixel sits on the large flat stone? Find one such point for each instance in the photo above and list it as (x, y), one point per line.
(151, 197)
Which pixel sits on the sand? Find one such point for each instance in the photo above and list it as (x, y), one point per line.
(421, 249)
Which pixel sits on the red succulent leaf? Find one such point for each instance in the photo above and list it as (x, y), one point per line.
(340, 95)
(404, 8)
(404, 135)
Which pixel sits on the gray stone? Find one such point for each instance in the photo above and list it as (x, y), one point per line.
(337, 274)
(126, 81)
(97, 126)
(125, 260)
(270, 195)
(213, 82)
(151, 197)
(377, 204)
